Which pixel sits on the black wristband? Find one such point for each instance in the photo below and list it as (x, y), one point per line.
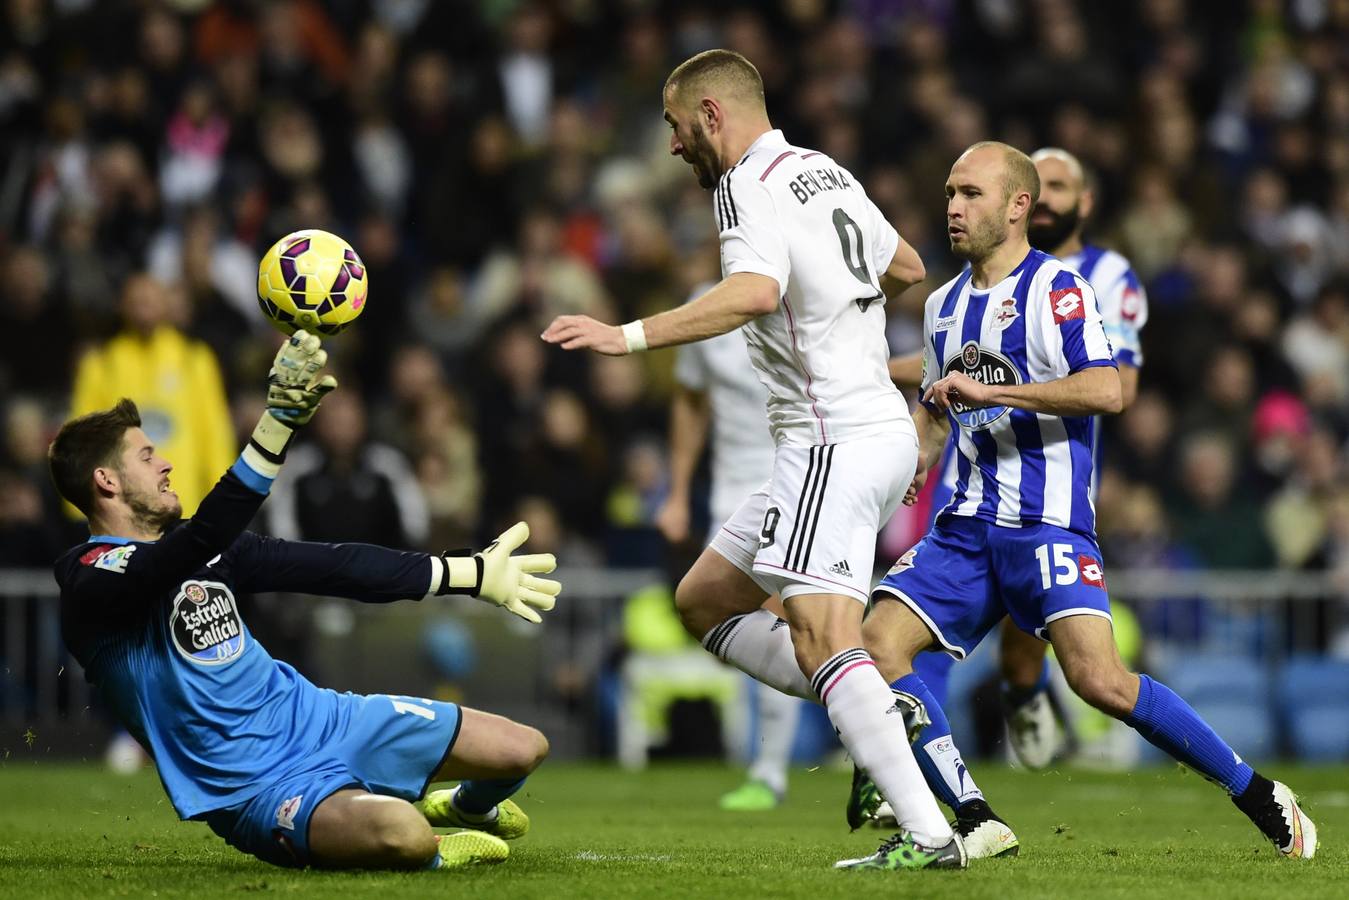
(445, 575)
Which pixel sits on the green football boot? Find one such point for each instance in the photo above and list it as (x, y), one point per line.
(901, 851)
(863, 799)
(470, 848)
(510, 821)
(752, 796)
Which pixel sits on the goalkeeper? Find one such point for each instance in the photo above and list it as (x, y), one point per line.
(291, 773)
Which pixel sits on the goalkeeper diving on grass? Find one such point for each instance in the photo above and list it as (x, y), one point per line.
(291, 773)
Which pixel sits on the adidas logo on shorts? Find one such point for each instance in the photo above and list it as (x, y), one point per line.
(841, 568)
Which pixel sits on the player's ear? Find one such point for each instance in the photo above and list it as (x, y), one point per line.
(710, 111)
(106, 480)
(1086, 201)
(1020, 207)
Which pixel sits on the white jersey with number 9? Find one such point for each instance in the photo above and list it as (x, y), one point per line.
(798, 217)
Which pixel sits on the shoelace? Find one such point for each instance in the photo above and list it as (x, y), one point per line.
(895, 840)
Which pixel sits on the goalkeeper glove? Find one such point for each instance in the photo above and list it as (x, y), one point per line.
(495, 575)
(294, 387)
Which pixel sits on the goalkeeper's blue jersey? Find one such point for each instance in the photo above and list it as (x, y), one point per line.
(156, 626)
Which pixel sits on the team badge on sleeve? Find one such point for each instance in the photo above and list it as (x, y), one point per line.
(1067, 304)
(116, 559)
(1130, 304)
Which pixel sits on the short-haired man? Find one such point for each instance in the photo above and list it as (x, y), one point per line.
(1016, 357)
(288, 772)
(808, 262)
(1056, 224)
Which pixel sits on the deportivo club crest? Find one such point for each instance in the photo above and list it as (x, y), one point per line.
(986, 367)
(205, 623)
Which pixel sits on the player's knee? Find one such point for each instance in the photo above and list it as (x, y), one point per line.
(525, 752)
(882, 647)
(698, 615)
(401, 837)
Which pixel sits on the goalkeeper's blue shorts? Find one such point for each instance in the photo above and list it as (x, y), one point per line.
(385, 745)
(966, 574)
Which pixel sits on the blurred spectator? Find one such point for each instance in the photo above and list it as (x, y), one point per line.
(220, 275)
(1298, 518)
(1215, 518)
(1316, 343)
(175, 381)
(540, 277)
(447, 469)
(32, 530)
(35, 342)
(343, 486)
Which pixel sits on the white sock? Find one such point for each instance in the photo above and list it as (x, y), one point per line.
(760, 645)
(778, 715)
(945, 755)
(863, 711)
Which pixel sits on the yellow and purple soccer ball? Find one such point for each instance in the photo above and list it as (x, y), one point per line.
(313, 280)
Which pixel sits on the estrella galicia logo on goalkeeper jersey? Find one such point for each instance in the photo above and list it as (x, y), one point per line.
(986, 367)
(205, 623)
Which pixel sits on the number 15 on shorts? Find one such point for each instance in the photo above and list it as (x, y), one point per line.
(1061, 564)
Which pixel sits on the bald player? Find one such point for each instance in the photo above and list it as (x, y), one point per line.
(1015, 356)
(1066, 202)
(808, 263)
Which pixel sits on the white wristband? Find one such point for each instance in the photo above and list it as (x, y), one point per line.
(634, 333)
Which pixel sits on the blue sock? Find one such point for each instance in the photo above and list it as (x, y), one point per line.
(936, 752)
(477, 797)
(1167, 721)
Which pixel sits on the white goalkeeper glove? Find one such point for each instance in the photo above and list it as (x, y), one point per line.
(294, 387)
(495, 575)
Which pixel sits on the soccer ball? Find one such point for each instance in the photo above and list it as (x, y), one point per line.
(313, 280)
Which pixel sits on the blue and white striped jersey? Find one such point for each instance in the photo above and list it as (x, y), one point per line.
(1124, 309)
(1040, 323)
(1120, 297)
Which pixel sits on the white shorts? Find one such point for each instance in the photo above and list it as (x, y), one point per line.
(812, 529)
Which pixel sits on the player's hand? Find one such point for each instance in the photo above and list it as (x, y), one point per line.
(585, 333)
(919, 479)
(510, 582)
(672, 519)
(958, 388)
(294, 386)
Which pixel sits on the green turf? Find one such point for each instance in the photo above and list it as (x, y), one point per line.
(77, 832)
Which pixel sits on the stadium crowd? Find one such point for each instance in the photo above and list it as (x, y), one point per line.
(498, 163)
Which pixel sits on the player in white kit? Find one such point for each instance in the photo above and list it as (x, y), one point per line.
(808, 262)
(717, 391)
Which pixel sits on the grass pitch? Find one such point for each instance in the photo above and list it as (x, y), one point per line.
(75, 831)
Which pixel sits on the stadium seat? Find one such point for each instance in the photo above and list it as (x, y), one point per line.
(1232, 695)
(1313, 694)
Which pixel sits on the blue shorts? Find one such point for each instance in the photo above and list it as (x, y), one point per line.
(385, 745)
(966, 574)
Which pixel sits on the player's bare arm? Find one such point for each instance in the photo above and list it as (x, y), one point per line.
(934, 430)
(906, 269)
(735, 300)
(1128, 385)
(907, 371)
(690, 418)
(1089, 392)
